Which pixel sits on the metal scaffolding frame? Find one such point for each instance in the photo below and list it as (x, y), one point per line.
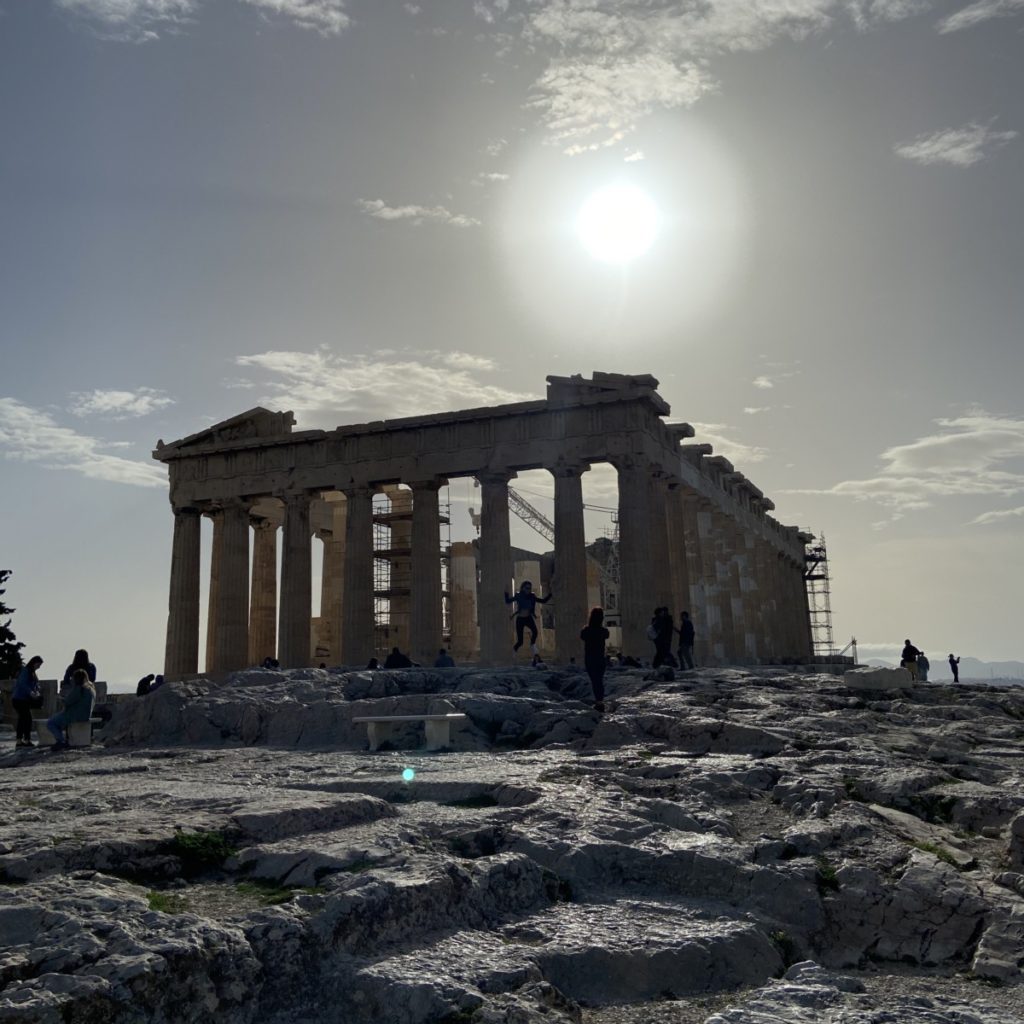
(819, 600)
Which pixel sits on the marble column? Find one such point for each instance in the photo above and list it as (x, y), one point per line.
(569, 582)
(296, 582)
(231, 640)
(636, 569)
(495, 569)
(357, 635)
(679, 567)
(723, 555)
(332, 580)
(465, 636)
(425, 619)
(263, 594)
(216, 517)
(714, 643)
(181, 654)
(661, 563)
(698, 607)
(751, 594)
(742, 637)
(768, 645)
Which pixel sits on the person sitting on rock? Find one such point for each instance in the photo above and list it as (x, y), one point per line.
(526, 602)
(144, 685)
(908, 659)
(444, 660)
(537, 662)
(954, 667)
(78, 702)
(396, 659)
(373, 664)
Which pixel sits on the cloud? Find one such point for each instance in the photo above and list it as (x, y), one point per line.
(118, 405)
(1003, 515)
(327, 17)
(31, 435)
(964, 458)
(417, 214)
(735, 451)
(329, 389)
(134, 21)
(753, 410)
(960, 147)
(763, 382)
(637, 154)
(976, 13)
(412, 9)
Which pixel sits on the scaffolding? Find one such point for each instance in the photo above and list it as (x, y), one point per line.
(392, 569)
(819, 606)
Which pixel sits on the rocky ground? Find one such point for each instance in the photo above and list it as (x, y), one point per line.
(736, 847)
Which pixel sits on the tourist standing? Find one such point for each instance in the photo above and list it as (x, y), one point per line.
(26, 696)
(78, 702)
(908, 659)
(594, 634)
(954, 667)
(661, 625)
(923, 664)
(686, 636)
(444, 660)
(526, 601)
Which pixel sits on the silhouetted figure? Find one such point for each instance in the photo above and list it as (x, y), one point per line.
(444, 660)
(25, 696)
(908, 659)
(686, 637)
(396, 659)
(270, 662)
(156, 684)
(80, 661)
(923, 664)
(144, 684)
(594, 635)
(954, 667)
(373, 663)
(660, 631)
(526, 602)
(78, 702)
(537, 662)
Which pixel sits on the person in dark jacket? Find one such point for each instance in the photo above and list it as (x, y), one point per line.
(526, 602)
(954, 667)
(24, 697)
(594, 635)
(662, 629)
(908, 659)
(686, 636)
(144, 685)
(444, 660)
(396, 659)
(80, 661)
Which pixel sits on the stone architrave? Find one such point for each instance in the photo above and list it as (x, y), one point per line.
(182, 650)
(357, 632)
(231, 640)
(263, 593)
(425, 611)
(569, 582)
(216, 517)
(636, 552)
(495, 569)
(296, 582)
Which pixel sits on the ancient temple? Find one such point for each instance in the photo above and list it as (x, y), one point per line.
(693, 532)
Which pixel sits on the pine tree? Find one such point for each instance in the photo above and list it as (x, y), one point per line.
(10, 650)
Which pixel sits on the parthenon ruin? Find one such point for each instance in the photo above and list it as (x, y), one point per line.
(693, 533)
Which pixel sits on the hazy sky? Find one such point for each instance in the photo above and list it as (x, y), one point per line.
(362, 208)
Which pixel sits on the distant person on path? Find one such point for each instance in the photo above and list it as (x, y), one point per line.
(24, 697)
(594, 635)
(660, 631)
(954, 667)
(396, 659)
(923, 664)
(80, 661)
(444, 660)
(78, 702)
(144, 685)
(908, 659)
(686, 636)
(526, 602)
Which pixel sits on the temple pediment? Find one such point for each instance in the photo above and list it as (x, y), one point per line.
(255, 423)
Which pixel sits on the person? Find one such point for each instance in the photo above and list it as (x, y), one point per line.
(80, 661)
(396, 659)
(526, 601)
(373, 664)
(24, 697)
(954, 667)
(78, 702)
(908, 659)
(537, 662)
(156, 684)
(686, 634)
(444, 660)
(594, 635)
(660, 631)
(143, 686)
(923, 664)
(270, 662)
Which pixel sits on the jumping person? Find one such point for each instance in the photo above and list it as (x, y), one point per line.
(594, 634)
(526, 602)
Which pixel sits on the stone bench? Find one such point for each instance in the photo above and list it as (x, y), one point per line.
(79, 733)
(380, 728)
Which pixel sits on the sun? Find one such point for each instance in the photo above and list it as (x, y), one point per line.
(617, 223)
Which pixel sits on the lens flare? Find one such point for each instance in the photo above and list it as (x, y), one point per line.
(408, 775)
(618, 223)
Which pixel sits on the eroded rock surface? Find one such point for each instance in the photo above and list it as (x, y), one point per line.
(232, 853)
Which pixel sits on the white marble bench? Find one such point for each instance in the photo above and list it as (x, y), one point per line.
(380, 728)
(79, 733)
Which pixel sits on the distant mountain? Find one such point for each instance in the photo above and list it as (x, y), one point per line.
(971, 670)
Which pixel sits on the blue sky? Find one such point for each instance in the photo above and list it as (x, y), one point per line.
(356, 209)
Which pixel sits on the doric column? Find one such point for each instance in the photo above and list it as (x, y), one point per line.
(750, 589)
(769, 641)
(181, 654)
(736, 556)
(465, 641)
(678, 562)
(216, 517)
(723, 555)
(357, 638)
(636, 569)
(714, 651)
(296, 581)
(231, 640)
(495, 568)
(332, 579)
(263, 592)
(569, 581)
(660, 561)
(695, 566)
(425, 597)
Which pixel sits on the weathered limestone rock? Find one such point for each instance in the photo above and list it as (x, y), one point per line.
(877, 679)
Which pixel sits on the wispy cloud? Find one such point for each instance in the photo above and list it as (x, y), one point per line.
(32, 435)
(327, 17)
(960, 147)
(976, 13)
(967, 456)
(417, 214)
(1000, 516)
(753, 410)
(775, 372)
(119, 405)
(327, 389)
(763, 382)
(735, 451)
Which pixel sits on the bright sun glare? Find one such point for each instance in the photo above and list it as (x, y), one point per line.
(618, 223)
